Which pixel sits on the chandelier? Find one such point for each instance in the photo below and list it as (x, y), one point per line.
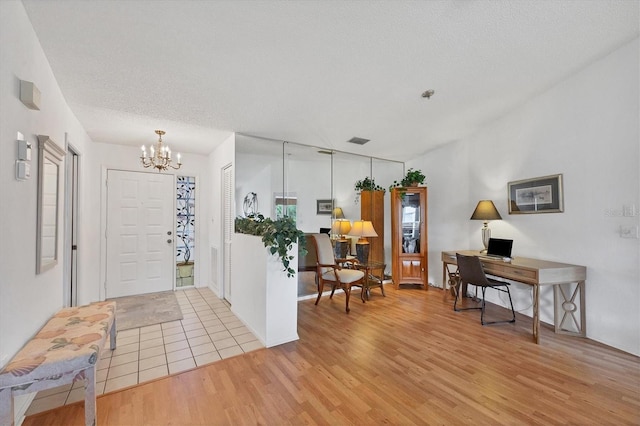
(160, 155)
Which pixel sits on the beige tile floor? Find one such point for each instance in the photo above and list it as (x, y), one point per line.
(208, 332)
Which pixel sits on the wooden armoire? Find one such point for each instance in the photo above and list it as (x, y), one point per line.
(372, 208)
(409, 236)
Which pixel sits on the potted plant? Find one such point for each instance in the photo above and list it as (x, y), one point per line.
(277, 235)
(411, 178)
(367, 184)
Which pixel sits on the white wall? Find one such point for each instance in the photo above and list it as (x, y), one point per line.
(259, 174)
(587, 128)
(102, 157)
(27, 300)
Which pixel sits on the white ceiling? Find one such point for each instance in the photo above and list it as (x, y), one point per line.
(315, 72)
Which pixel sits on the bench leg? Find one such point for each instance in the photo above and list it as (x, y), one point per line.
(112, 334)
(6, 407)
(90, 396)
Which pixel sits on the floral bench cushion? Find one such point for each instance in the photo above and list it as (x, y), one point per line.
(70, 341)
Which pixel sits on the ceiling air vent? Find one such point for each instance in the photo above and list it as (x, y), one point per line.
(358, 141)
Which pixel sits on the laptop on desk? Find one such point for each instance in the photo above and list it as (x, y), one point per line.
(499, 248)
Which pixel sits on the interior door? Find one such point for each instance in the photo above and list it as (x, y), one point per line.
(227, 231)
(140, 228)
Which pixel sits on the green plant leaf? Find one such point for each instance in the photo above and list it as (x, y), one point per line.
(278, 236)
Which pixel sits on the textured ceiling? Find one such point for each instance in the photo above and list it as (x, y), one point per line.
(315, 72)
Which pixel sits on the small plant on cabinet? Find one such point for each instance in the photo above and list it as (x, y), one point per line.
(411, 178)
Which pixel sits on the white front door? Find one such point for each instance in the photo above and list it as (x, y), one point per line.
(140, 228)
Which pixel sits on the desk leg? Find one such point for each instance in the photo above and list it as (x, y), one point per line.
(445, 280)
(565, 308)
(536, 314)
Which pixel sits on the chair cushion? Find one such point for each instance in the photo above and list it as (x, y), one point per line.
(71, 340)
(346, 276)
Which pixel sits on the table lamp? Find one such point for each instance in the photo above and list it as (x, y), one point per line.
(337, 213)
(362, 229)
(341, 227)
(486, 211)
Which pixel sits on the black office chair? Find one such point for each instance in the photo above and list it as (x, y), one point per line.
(471, 272)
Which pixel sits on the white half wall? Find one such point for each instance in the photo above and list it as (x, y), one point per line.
(265, 299)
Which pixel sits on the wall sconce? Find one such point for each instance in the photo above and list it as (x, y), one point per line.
(486, 211)
(29, 95)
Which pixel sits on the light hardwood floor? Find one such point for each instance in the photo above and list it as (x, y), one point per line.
(404, 359)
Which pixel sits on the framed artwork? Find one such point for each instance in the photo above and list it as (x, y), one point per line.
(324, 206)
(537, 195)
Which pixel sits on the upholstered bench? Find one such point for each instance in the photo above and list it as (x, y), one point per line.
(64, 351)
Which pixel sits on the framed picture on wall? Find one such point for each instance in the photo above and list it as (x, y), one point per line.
(537, 195)
(324, 206)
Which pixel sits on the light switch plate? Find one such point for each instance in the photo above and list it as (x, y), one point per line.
(23, 170)
(24, 150)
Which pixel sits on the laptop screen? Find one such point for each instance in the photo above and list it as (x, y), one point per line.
(499, 247)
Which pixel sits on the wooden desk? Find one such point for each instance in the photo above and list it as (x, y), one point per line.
(568, 283)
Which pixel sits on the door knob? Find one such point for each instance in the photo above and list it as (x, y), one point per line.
(168, 232)
(169, 240)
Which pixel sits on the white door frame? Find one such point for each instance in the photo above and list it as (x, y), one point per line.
(71, 224)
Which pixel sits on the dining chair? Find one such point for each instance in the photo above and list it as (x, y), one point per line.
(330, 272)
(471, 272)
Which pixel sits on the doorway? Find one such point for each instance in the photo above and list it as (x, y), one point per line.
(139, 235)
(70, 269)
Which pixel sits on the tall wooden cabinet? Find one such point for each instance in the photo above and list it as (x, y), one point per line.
(372, 208)
(409, 236)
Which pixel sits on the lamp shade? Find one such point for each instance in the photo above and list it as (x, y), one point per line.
(485, 210)
(337, 213)
(362, 228)
(341, 227)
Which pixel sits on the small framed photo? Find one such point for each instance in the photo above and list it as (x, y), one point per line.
(537, 195)
(324, 206)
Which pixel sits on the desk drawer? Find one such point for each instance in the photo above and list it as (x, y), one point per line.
(519, 274)
(511, 272)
